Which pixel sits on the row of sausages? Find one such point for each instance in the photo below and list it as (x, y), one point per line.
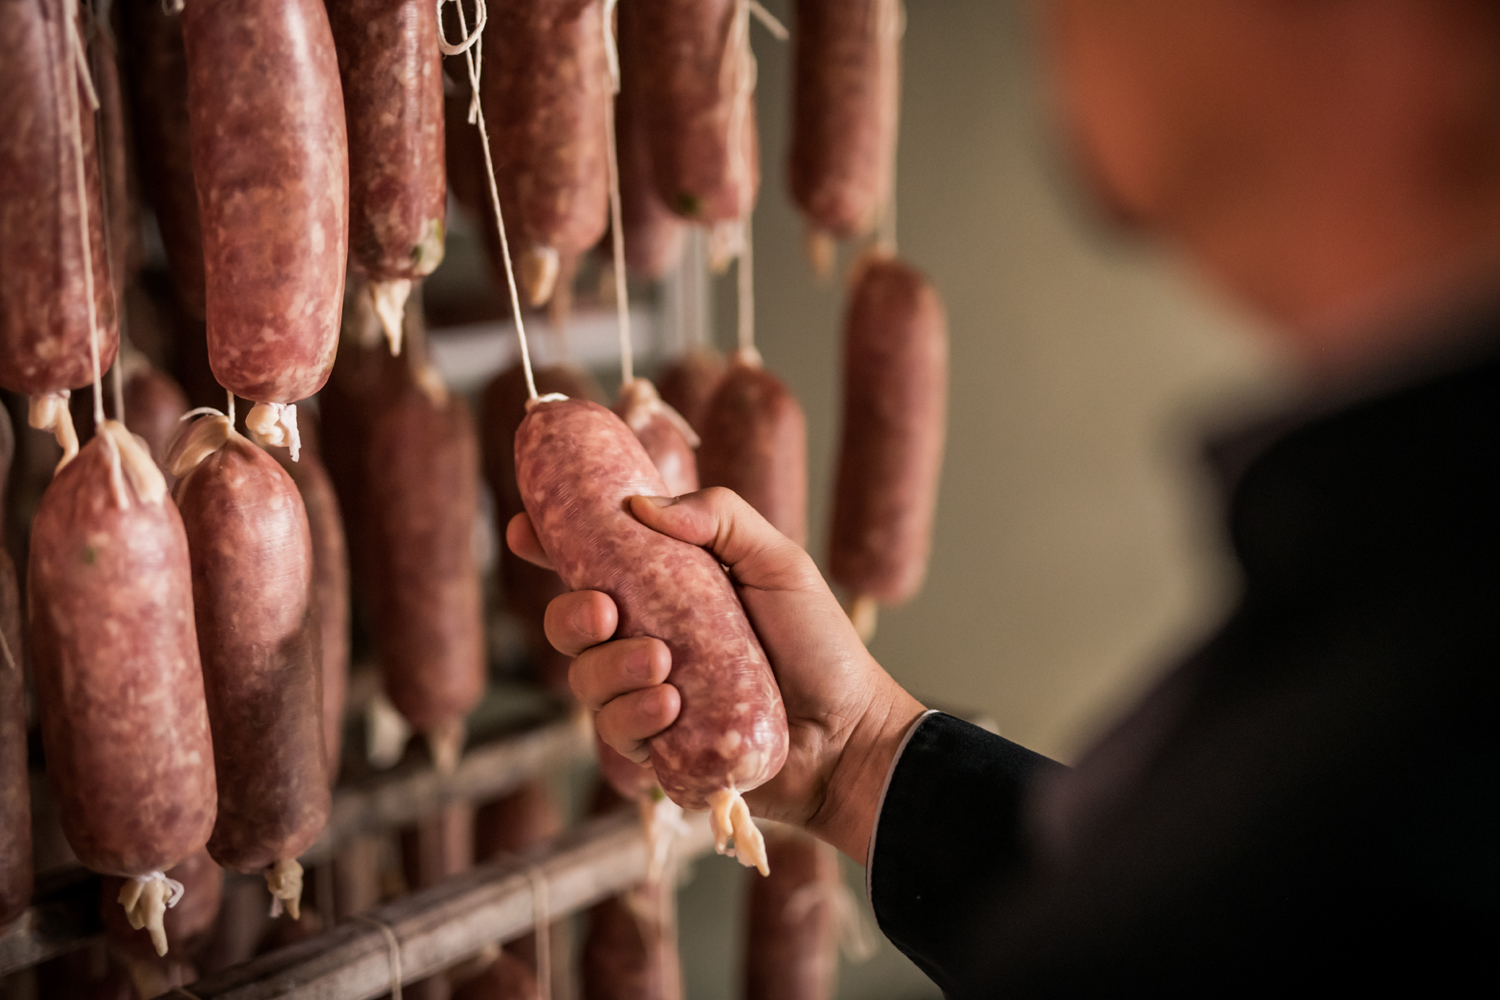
(274, 354)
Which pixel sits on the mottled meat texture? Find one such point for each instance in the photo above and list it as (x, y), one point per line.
(253, 598)
(688, 383)
(653, 233)
(15, 785)
(271, 163)
(703, 145)
(392, 76)
(158, 78)
(791, 950)
(895, 405)
(331, 582)
(577, 463)
(422, 464)
(526, 588)
(845, 96)
(664, 434)
(187, 925)
(118, 680)
(755, 443)
(544, 89)
(44, 267)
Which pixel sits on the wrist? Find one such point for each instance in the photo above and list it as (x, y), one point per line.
(851, 803)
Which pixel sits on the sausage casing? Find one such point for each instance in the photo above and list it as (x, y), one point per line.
(704, 154)
(577, 463)
(118, 681)
(392, 74)
(253, 599)
(15, 782)
(755, 443)
(630, 952)
(271, 164)
(422, 464)
(653, 233)
(159, 102)
(526, 588)
(664, 434)
(44, 320)
(544, 90)
(331, 581)
(895, 403)
(845, 91)
(791, 949)
(688, 384)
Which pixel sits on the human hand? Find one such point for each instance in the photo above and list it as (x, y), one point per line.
(845, 715)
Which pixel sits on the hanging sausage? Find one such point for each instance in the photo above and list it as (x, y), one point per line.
(118, 681)
(895, 373)
(55, 293)
(392, 74)
(846, 90)
(544, 99)
(271, 164)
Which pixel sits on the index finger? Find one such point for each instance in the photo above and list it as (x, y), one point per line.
(521, 537)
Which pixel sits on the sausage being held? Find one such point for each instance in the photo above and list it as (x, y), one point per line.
(576, 464)
(271, 164)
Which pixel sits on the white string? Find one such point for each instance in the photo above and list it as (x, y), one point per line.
(481, 18)
(75, 116)
(542, 918)
(616, 225)
(100, 25)
(769, 22)
(10, 660)
(476, 117)
(230, 414)
(745, 275)
(393, 951)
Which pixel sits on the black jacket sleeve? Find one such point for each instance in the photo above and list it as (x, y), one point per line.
(949, 828)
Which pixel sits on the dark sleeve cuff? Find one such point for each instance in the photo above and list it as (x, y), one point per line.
(949, 828)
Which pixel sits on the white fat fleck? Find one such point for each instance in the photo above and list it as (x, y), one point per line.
(741, 707)
(729, 743)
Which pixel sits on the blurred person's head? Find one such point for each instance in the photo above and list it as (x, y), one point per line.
(1326, 161)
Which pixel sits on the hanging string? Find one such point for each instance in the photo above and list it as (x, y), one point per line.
(393, 951)
(75, 121)
(230, 414)
(745, 275)
(467, 45)
(99, 26)
(617, 229)
(541, 917)
(739, 60)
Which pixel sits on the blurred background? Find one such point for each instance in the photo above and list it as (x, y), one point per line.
(1078, 547)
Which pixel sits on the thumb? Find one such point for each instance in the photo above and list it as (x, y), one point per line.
(756, 554)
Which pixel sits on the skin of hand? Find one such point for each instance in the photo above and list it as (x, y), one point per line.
(846, 716)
